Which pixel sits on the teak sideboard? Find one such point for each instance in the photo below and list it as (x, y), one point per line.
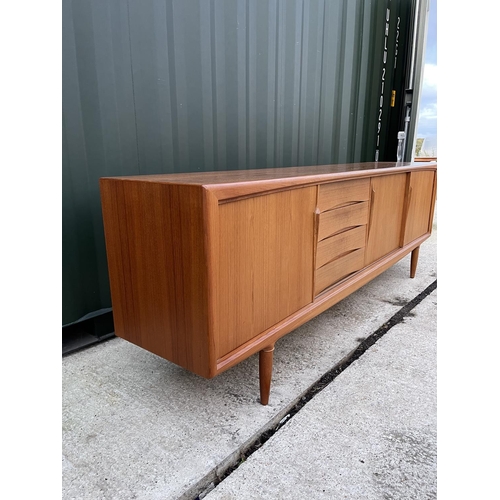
(208, 268)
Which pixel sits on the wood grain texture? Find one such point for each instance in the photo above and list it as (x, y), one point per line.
(157, 269)
(235, 184)
(339, 268)
(335, 194)
(420, 195)
(386, 216)
(320, 304)
(334, 246)
(211, 234)
(336, 220)
(266, 263)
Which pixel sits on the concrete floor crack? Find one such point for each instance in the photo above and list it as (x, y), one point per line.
(207, 485)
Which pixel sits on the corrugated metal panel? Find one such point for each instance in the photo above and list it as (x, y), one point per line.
(158, 86)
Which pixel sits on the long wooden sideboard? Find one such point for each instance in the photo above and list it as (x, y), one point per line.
(208, 268)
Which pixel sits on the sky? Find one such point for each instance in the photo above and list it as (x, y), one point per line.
(427, 121)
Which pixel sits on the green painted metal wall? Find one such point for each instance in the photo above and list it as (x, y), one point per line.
(160, 86)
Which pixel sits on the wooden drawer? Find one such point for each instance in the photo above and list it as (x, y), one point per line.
(346, 241)
(339, 193)
(336, 270)
(333, 221)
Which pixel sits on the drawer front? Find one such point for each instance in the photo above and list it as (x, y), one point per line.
(331, 248)
(339, 193)
(336, 270)
(333, 221)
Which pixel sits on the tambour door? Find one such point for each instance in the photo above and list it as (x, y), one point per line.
(387, 195)
(420, 204)
(265, 263)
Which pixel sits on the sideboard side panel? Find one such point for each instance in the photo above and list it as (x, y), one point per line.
(157, 268)
(265, 263)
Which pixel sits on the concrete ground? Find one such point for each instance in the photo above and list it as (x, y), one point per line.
(138, 427)
(371, 434)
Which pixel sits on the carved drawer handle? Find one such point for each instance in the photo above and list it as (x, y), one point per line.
(372, 202)
(410, 190)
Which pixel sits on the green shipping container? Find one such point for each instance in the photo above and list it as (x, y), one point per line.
(162, 86)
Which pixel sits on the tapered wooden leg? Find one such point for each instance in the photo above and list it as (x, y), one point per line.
(265, 372)
(414, 261)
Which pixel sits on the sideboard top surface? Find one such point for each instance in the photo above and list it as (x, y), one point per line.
(234, 183)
